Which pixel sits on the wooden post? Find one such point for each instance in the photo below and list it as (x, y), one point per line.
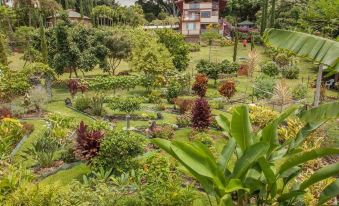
(318, 86)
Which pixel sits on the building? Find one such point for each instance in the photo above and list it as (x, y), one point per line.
(196, 15)
(73, 16)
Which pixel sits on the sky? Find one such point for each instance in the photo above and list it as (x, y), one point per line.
(126, 2)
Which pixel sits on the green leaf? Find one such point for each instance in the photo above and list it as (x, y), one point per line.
(224, 123)
(270, 132)
(331, 191)
(321, 113)
(226, 200)
(317, 48)
(252, 154)
(234, 185)
(268, 172)
(290, 195)
(241, 129)
(226, 154)
(303, 133)
(194, 158)
(321, 174)
(163, 144)
(302, 157)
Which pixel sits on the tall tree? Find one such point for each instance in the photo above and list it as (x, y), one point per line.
(3, 56)
(43, 44)
(264, 12)
(272, 19)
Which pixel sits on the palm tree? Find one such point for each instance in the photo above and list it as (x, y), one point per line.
(321, 50)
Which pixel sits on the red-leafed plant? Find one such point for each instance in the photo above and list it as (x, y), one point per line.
(73, 85)
(87, 142)
(201, 114)
(227, 89)
(5, 113)
(184, 105)
(200, 85)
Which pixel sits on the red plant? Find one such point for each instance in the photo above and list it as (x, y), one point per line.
(83, 88)
(5, 113)
(200, 85)
(73, 85)
(227, 89)
(201, 114)
(184, 104)
(88, 142)
(243, 70)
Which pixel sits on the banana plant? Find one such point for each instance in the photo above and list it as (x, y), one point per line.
(254, 167)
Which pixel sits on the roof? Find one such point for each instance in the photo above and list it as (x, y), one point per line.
(246, 23)
(71, 14)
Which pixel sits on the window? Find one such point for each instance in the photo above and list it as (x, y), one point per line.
(194, 6)
(190, 26)
(205, 14)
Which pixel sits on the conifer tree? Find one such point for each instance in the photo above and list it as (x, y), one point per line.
(3, 56)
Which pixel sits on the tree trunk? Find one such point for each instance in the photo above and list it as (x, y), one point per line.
(209, 54)
(128, 117)
(236, 40)
(318, 86)
(263, 17)
(272, 22)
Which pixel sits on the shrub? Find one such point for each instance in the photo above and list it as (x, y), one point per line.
(184, 120)
(82, 103)
(87, 142)
(211, 69)
(200, 85)
(126, 104)
(11, 131)
(44, 150)
(227, 89)
(203, 138)
(194, 47)
(201, 114)
(263, 87)
(291, 72)
(58, 120)
(299, 92)
(118, 151)
(282, 60)
(163, 132)
(228, 67)
(261, 116)
(97, 103)
(161, 107)
(5, 113)
(173, 91)
(74, 85)
(154, 97)
(270, 68)
(184, 104)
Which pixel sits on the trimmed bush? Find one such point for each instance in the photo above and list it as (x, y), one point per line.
(291, 72)
(82, 103)
(118, 151)
(299, 92)
(227, 89)
(263, 87)
(270, 68)
(282, 60)
(200, 85)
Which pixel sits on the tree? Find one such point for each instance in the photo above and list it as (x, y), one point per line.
(310, 46)
(3, 55)
(210, 36)
(127, 105)
(177, 46)
(43, 46)
(211, 69)
(264, 11)
(238, 184)
(272, 18)
(119, 48)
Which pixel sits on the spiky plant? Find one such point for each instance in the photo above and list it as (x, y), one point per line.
(201, 114)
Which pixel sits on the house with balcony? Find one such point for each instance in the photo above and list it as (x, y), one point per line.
(196, 15)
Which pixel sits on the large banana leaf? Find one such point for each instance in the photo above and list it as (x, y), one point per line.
(241, 129)
(321, 113)
(252, 154)
(321, 174)
(318, 49)
(226, 155)
(302, 157)
(329, 192)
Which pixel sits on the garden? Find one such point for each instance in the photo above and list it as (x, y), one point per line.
(114, 114)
